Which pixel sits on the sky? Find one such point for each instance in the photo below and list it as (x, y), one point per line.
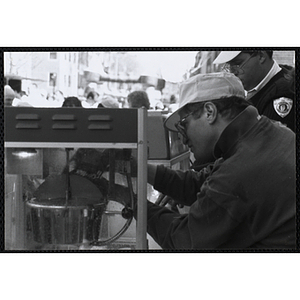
(172, 65)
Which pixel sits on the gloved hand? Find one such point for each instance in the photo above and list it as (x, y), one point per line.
(165, 200)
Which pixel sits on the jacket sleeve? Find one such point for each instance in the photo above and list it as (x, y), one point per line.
(208, 224)
(212, 219)
(182, 186)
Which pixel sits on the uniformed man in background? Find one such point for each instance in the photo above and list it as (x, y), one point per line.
(269, 87)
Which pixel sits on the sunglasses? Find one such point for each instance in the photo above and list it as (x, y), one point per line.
(180, 125)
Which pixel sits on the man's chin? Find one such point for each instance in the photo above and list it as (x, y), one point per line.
(203, 161)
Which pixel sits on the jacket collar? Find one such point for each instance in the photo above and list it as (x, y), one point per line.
(273, 71)
(235, 131)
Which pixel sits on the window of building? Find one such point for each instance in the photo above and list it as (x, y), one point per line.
(53, 55)
(52, 79)
(69, 82)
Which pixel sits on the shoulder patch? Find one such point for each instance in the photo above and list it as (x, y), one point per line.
(283, 106)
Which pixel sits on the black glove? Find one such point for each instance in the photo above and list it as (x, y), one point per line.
(165, 200)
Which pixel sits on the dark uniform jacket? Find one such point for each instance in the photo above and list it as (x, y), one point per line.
(276, 100)
(247, 198)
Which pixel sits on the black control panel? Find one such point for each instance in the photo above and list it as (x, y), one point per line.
(105, 125)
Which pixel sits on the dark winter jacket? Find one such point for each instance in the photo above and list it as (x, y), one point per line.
(246, 199)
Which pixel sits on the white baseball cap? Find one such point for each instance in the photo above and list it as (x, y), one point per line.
(205, 87)
(226, 56)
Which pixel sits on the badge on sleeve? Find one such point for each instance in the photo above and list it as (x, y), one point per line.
(283, 106)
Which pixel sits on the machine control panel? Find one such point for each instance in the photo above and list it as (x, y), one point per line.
(25, 124)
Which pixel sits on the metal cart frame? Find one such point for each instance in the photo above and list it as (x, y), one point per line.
(27, 127)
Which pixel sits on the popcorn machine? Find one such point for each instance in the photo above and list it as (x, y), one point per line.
(61, 166)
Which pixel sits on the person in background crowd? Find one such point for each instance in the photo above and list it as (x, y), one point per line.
(270, 87)
(159, 105)
(90, 101)
(155, 98)
(109, 102)
(72, 102)
(20, 94)
(173, 104)
(138, 99)
(58, 98)
(55, 99)
(247, 197)
(21, 100)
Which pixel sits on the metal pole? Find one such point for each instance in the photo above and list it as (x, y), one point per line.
(68, 190)
(141, 225)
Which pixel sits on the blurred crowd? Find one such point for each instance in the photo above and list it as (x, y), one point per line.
(36, 97)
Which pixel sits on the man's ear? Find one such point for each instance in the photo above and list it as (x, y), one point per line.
(211, 112)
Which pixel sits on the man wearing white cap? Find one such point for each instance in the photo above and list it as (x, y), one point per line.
(270, 87)
(246, 198)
